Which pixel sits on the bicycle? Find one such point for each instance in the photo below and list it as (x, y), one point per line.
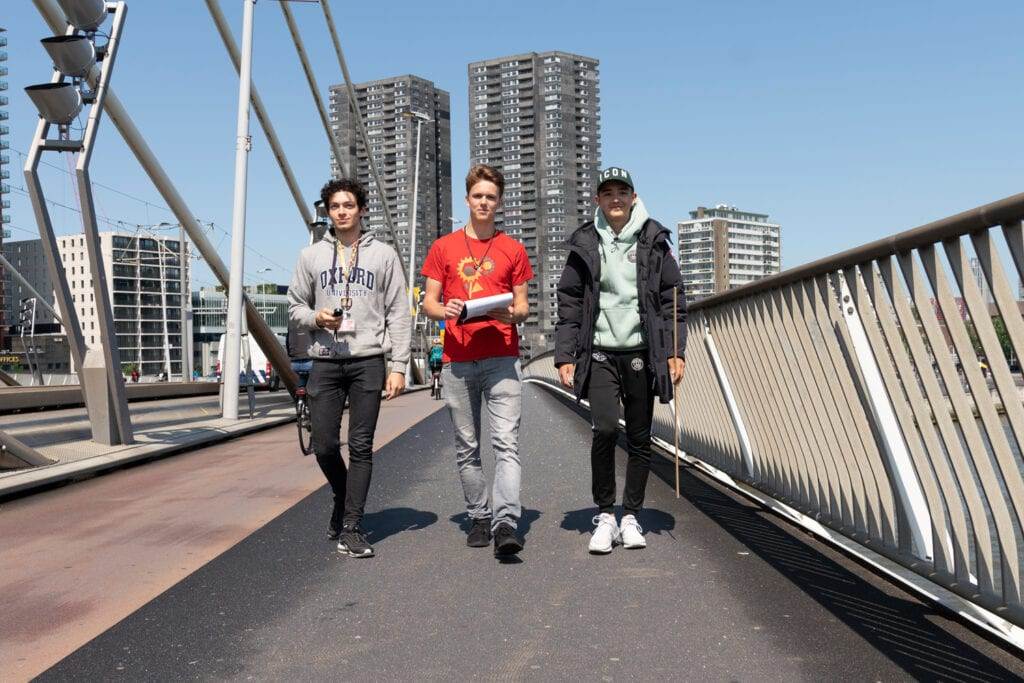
(303, 419)
(435, 386)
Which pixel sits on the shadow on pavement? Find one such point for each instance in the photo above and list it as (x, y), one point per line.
(652, 521)
(384, 523)
(901, 629)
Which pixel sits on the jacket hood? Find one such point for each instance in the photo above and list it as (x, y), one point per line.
(630, 232)
(586, 236)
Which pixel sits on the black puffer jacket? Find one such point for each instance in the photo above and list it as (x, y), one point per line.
(579, 298)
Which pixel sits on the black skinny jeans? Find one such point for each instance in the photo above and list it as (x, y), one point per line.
(360, 380)
(620, 377)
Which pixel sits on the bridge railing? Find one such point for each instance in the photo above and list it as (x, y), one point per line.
(876, 391)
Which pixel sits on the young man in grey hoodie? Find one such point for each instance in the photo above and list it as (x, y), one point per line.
(348, 291)
(619, 339)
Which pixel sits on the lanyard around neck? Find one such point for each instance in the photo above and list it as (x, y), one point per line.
(469, 249)
(353, 259)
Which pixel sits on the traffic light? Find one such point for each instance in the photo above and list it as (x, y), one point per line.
(27, 314)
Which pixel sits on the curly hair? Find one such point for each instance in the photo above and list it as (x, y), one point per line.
(488, 173)
(343, 185)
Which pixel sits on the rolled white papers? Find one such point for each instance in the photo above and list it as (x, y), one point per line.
(476, 308)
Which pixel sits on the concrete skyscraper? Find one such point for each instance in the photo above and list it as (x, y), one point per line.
(722, 248)
(536, 117)
(386, 106)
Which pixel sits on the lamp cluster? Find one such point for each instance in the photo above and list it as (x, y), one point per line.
(74, 56)
(320, 221)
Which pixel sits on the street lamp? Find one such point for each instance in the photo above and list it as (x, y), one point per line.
(185, 300)
(58, 103)
(318, 227)
(421, 118)
(85, 15)
(27, 318)
(81, 77)
(74, 55)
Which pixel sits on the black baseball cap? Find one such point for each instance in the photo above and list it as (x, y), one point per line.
(615, 173)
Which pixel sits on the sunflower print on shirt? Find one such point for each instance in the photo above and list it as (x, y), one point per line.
(470, 275)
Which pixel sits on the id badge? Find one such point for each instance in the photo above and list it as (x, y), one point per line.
(347, 325)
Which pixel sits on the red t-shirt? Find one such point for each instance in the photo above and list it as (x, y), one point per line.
(503, 265)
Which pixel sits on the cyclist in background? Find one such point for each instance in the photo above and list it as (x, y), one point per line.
(436, 362)
(296, 343)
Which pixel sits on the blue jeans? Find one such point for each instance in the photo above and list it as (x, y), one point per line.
(494, 383)
(302, 368)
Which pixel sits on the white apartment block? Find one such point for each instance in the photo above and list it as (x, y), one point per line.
(144, 279)
(722, 248)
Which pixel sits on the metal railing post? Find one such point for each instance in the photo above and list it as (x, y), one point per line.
(908, 488)
(730, 401)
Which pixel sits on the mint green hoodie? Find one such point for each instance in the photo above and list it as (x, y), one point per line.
(618, 321)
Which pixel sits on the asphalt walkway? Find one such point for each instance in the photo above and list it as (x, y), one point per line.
(723, 592)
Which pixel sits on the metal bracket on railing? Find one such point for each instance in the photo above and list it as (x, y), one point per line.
(908, 488)
(730, 401)
(14, 454)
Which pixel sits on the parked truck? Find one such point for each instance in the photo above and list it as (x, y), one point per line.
(252, 358)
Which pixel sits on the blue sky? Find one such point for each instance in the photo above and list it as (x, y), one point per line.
(843, 121)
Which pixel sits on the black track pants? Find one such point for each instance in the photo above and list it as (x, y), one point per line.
(620, 377)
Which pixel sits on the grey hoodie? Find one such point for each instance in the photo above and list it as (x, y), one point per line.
(379, 306)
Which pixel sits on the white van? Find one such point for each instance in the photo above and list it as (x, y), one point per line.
(263, 372)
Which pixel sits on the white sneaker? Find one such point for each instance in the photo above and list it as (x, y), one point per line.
(605, 535)
(631, 533)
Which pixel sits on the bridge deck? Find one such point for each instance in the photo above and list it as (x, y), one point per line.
(724, 590)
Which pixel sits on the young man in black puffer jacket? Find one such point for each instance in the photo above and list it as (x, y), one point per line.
(614, 342)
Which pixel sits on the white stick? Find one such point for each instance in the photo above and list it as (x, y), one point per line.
(675, 389)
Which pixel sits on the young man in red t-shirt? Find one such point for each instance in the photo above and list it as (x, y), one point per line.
(481, 355)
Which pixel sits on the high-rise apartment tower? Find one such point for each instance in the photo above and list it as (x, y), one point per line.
(389, 107)
(722, 248)
(536, 117)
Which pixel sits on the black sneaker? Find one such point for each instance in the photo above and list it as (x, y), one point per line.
(506, 542)
(334, 528)
(352, 542)
(480, 533)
